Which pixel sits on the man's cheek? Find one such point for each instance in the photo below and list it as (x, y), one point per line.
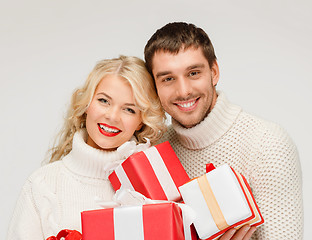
(162, 96)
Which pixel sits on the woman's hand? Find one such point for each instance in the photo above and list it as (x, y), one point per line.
(244, 233)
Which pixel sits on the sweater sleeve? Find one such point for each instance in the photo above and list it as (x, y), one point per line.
(25, 223)
(278, 187)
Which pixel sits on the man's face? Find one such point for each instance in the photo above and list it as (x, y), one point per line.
(185, 84)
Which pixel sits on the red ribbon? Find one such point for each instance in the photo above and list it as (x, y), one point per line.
(67, 235)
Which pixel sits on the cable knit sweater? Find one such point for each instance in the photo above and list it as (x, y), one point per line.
(260, 150)
(54, 196)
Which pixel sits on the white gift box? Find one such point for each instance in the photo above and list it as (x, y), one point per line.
(221, 200)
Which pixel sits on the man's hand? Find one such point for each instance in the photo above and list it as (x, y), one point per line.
(244, 233)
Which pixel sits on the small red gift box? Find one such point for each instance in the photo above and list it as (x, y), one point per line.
(155, 172)
(147, 222)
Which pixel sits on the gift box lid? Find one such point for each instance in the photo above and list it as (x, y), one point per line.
(156, 173)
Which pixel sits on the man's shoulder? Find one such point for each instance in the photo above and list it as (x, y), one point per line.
(256, 122)
(265, 131)
(170, 135)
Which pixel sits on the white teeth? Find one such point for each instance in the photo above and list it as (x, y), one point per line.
(107, 129)
(187, 105)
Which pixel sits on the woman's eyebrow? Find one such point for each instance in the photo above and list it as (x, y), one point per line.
(130, 104)
(103, 93)
(109, 97)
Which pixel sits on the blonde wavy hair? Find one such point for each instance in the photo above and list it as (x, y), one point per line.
(133, 70)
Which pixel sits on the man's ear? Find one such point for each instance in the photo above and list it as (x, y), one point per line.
(215, 74)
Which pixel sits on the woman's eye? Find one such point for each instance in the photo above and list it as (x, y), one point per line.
(130, 110)
(103, 100)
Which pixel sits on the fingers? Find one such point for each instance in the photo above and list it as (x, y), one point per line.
(249, 233)
(244, 233)
(228, 234)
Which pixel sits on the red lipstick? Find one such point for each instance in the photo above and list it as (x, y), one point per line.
(107, 130)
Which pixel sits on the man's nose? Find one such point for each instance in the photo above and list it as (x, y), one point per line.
(183, 88)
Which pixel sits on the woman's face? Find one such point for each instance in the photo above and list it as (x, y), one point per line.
(112, 117)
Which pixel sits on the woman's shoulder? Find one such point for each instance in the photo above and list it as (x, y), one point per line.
(46, 172)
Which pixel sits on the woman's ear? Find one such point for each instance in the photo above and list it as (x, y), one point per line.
(139, 126)
(86, 111)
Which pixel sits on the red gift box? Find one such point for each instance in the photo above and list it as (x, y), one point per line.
(156, 173)
(147, 222)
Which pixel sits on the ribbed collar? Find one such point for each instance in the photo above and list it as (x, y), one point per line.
(87, 161)
(214, 126)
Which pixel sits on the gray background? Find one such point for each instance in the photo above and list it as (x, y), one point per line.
(47, 48)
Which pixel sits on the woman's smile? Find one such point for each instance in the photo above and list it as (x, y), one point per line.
(107, 130)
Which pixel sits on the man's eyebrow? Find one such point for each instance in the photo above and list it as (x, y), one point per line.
(164, 73)
(195, 66)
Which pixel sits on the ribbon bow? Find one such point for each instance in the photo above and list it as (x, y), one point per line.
(124, 151)
(67, 235)
(131, 147)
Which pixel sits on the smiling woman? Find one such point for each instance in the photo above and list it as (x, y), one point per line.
(112, 117)
(113, 81)
(116, 104)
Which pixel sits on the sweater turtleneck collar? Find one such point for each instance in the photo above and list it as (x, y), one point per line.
(87, 161)
(215, 125)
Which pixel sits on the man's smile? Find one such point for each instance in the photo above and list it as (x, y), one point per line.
(187, 105)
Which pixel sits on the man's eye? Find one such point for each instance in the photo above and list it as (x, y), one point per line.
(192, 74)
(168, 79)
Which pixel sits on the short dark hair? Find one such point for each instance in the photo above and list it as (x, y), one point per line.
(175, 36)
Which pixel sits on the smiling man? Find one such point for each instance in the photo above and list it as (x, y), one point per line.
(207, 128)
(186, 84)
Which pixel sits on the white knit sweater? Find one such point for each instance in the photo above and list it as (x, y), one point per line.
(54, 196)
(260, 150)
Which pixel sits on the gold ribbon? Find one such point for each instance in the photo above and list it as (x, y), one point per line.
(212, 203)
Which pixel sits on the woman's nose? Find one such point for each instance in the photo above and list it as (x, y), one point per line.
(113, 114)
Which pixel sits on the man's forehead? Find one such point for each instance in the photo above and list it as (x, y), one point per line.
(186, 58)
(176, 51)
